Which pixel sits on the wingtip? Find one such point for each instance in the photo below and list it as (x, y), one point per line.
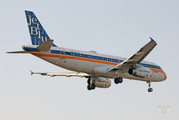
(31, 72)
(152, 39)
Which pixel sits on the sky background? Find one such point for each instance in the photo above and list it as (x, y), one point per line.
(115, 27)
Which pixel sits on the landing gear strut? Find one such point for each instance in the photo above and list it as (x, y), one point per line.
(91, 85)
(149, 89)
(118, 80)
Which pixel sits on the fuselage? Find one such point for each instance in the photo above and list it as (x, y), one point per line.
(88, 61)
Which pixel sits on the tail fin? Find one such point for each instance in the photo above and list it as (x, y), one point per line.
(37, 32)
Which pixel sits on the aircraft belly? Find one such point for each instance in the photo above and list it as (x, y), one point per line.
(80, 66)
(73, 65)
(54, 61)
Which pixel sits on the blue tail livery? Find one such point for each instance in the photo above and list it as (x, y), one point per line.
(37, 33)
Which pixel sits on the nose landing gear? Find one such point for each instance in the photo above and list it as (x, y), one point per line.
(149, 89)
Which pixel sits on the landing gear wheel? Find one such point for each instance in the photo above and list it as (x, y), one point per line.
(88, 81)
(88, 87)
(150, 90)
(93, 86)
(118, 80)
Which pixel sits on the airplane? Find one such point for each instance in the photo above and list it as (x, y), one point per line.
(97, 68)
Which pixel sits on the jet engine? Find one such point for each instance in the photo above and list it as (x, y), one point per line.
(140, 72)
(102, 82)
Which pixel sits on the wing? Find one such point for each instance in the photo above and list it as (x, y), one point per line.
(137, 57)
(69, 74)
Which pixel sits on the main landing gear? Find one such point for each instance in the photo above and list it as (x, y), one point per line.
(149, 89)
(118, 80)
(91, 85)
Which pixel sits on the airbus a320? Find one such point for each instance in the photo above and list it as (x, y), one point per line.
(97, 68)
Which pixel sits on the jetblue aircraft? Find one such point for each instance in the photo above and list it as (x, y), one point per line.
(97, 68)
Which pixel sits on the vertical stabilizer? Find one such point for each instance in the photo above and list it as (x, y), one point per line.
(37, 33)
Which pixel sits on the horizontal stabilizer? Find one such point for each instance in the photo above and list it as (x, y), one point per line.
(45, 46)
(17, 52)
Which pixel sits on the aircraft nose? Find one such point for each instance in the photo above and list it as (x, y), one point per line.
(164, 75)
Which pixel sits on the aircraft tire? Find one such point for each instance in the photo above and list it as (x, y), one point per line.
(93, 86)
(88, 87)
(150, 90)
(118, 80)
(88, 81)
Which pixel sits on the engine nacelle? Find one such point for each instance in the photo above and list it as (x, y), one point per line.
(140, 72)
(102, 82)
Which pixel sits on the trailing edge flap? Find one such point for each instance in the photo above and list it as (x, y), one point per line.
(137, 57)
(45, 46)
(16, 52)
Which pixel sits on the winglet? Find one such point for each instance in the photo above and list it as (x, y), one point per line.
(152, 39)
